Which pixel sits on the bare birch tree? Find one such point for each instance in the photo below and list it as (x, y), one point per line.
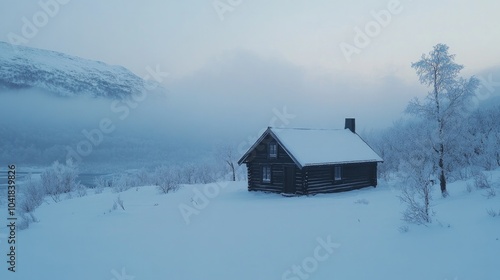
(227, 154)
(445, 102)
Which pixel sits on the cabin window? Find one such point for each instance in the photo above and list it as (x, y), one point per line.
(273, 150)
(337, 173)
(266, 174)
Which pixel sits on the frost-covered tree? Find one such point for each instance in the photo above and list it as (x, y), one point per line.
(445, 102)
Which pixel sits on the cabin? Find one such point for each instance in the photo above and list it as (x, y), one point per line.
(310, 161)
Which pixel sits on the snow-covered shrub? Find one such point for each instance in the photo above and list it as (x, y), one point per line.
(100, 183)
(32, 195)
(81, 190)
(490, 193)
(481, 181)
(167, 179)
(50, 184)
(25, 220)
(121, 183)
(417, 192)
(417, 200)
(59, 179)
(119, 201)
(492, 212)
(144, 177)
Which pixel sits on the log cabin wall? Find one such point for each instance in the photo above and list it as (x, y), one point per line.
(260, 158)
(321, 179)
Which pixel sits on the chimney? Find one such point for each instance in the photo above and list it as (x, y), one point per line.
(350, 123)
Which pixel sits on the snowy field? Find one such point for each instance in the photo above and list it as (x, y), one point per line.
(236, 234)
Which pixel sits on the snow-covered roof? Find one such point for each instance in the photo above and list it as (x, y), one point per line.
(309, 147)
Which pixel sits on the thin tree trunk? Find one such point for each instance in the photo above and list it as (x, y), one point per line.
(231, 165)
(427, 204)
(442, 177)
(234, 173)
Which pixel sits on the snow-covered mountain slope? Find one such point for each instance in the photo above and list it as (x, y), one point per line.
(65, 75)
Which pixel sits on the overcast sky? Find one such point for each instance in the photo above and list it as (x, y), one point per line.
(234, 57)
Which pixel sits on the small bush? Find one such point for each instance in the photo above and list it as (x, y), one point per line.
(81, 190)
(492, 212)
(418, 209)
(32, 196)
(100, 183)
(59, 179)
(119, 201)
(490, 193)
(121, 183)
(481, 181)
(166, 179)
(25, 221)
(403, 229)
(416, 193)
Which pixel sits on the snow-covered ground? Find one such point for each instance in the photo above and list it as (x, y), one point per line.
(236, 234)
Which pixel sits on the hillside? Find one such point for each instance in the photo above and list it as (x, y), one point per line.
(23, 67)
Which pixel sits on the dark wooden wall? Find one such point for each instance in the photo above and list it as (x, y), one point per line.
(259, 158)
(320, 179)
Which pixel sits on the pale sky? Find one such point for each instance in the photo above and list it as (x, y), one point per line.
(269, 54)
